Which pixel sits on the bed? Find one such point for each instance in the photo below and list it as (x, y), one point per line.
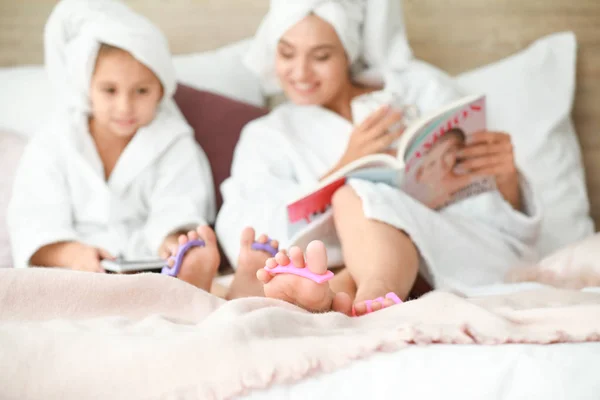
(482, 32)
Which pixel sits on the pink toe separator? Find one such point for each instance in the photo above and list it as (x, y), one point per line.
(303, 272)
(368, 303)
(393, 297)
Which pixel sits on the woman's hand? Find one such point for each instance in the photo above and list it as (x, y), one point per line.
(491, 154)
(372, 136)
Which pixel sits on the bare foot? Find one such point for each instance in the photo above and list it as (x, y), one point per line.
(303, 292)
(244, 283)
(375, 291)
(199, 264)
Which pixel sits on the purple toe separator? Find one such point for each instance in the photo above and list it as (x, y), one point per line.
(174, 271)
(303, 272)
(265, 247)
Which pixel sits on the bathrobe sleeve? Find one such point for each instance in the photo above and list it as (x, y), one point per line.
(261, 184)
(183, 195)
(524, 224)
(40, 209)
(494, 211)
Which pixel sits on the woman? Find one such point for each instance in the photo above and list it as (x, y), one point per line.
(323, 54)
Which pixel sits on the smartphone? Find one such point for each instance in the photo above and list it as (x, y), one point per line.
(121, 265)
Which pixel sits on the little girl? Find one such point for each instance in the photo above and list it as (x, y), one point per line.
(117, 172)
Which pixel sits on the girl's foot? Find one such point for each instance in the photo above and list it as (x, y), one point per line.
(373, 296)
(200, 263)
(245, 283)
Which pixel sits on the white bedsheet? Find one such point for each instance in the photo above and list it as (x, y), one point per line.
(478, 372)
(156, 338)
(507, 372)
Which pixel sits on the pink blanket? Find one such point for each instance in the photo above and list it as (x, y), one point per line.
(73, 335)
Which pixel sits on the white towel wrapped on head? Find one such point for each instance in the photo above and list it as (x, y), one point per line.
(372, 33)
(73, 35)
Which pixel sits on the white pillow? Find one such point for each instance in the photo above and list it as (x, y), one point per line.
(11, 148)
(26, 95)
(530, 95)
(25, 99)
(221, 71)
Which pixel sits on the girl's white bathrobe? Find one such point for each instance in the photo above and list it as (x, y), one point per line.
(162, 181)
(283, 154)
(160, 184)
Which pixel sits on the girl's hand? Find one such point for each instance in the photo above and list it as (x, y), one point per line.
(72, 255)
(82, 257)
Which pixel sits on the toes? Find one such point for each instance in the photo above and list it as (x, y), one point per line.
(342, 303)
(271, 263)
(247, 237)
(207, 234)
(316, 257)
(377, 304)
(173, 249)
(171, 262)
(361, 308)
(182, 239)
(368, 306)
(297, 257)
(264, 239)
(282, 258)
(193, 235)
(263, 276)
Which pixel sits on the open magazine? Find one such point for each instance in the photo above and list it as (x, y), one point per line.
(425, 165)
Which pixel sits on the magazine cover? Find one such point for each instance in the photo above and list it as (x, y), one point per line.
(432, 172)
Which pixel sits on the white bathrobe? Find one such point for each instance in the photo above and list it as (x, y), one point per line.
(161, 183)
(282, 155)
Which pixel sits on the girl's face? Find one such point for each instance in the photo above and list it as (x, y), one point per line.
(124, 93)
(311, 63)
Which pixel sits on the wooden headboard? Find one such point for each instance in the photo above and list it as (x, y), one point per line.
(482, 31)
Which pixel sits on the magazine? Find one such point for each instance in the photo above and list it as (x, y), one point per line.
(424, 165)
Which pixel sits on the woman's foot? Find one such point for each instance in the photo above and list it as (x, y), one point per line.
(244, 283)
(303, 292)
(200, 263)
(373, 295)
